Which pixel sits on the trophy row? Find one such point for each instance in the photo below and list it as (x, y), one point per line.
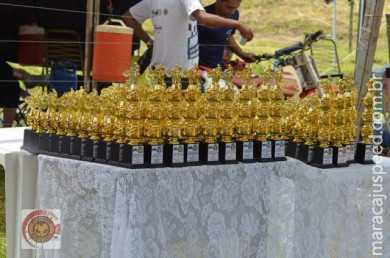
(137, 125)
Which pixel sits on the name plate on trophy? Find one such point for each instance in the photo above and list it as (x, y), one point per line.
(174, 155)
(129, 156)
(279, 150)
(228, 152)
(340, 156)
(245, 151)
(191, 154)
(154, 155)
(209, 153)
(351, 148)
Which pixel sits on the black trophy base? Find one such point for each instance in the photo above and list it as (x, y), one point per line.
(31, 141)
(322, 157)
(129, 156)
(64, 146)
(174, 155)
(364, 154)
(245, 151)
(340, 157)
(263, 151)
(113, 155)
(54, 145)
(293, 149)
(209, 153)
(228, 152)
(279, 150)
(191, 154)
(102, 152)
(75, 148)
(87, 149)
(154, 155)
(306, 153)
(44, 140)
(351, 152)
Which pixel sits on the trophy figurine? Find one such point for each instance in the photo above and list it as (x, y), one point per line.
(31, 136)
(311, 113)
(364, 149)
(323, 154)
(129, 150)
(173, 148)
(209, 147)
(263, 120)
(155, 119)
(192, 111)
(227, 147)
(276, 113)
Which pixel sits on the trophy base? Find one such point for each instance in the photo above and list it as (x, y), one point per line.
(228, 152)
(209, 153)
(54, 145)
(87, 147)
(154, 155)
(351, 151)
(364, 154)
(340, 156)
(113, 154)
(30, 141)
(191, 154)
(102, 152)
(75, 148)
(279, 150)
(263, 151)
(44, 140)
(322, 157)
(293, 149)
(26, 139)
(245, 151)
(128, 156)
(306, 153)
(174, 155)
(64, 146)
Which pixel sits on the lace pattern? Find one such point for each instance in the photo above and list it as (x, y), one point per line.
(279, 209)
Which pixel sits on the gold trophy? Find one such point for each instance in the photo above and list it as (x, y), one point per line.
(349, 116)
(210, 120)
(323, 154)
(50, 143)
(276, 114)
(129, 150)
(227, 147)
(31, 136)
(174, 149)
(310, 127)
(155, 119)
(364, 149)
(263, 119)
(244, 123)
(192, 112)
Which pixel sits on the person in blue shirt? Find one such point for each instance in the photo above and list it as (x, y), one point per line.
(212, 41)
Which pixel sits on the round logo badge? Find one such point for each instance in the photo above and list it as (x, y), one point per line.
(41, 228)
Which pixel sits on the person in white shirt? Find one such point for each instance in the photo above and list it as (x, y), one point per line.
(175, 29)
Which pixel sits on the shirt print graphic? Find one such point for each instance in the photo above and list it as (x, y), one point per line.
(193, 46)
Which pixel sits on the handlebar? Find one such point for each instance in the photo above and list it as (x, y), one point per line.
(309, 38)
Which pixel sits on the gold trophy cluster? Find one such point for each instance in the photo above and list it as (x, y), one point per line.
(152, 113)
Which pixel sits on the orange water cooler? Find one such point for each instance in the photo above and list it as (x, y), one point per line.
(31, 47)
(111, 51)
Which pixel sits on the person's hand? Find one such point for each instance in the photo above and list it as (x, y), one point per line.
(20, 74)
(249, 57)
(245, 31)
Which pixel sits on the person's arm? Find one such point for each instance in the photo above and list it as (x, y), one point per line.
(138, 30)
(236, 49)
(215, 21)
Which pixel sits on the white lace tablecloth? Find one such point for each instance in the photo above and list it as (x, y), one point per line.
(280, 209)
